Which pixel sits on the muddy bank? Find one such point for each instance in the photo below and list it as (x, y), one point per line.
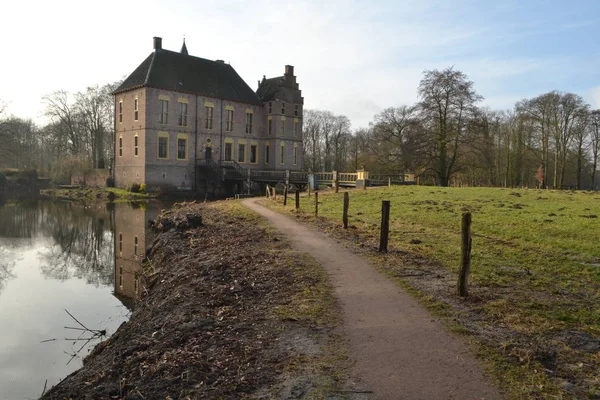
(226, 311)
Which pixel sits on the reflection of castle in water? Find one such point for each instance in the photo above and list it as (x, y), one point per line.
(131, 237)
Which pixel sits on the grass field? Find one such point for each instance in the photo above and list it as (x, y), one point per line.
(534, 309)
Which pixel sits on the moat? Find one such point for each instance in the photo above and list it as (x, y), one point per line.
(57, 256)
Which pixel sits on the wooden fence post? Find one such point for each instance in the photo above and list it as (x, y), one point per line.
(316, 204)
(385, 226)
(285, 193)
(465, 268)
(297, 199)
(274, 193)
(268, 192)
(346, 204)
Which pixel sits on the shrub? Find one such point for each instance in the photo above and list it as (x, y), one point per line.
(110, 182)
(134, 188)
(30, 174)
(143, 188)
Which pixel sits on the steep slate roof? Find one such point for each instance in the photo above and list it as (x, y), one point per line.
(268, 87)
(169, 70)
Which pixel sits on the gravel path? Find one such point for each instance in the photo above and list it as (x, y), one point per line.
(401, 351)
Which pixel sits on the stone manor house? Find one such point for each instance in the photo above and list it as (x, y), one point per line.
(176, 114)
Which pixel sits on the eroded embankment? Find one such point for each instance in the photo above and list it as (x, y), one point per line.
(226, 312)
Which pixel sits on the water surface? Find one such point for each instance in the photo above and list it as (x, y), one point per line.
(57, 256)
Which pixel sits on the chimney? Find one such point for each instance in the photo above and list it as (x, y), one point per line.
(157, 43)
(289, 70)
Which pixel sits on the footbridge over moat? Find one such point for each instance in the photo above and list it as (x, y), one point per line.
(231, 171)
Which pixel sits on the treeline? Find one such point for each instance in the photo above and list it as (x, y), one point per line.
(78, 135)
(446, 138)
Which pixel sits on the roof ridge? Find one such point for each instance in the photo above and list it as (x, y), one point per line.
(150, 69)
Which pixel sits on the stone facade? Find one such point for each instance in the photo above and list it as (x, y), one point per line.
(139, 157)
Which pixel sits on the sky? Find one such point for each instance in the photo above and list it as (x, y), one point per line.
(351, 57)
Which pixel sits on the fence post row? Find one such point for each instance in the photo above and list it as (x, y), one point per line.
(285, 193)
(346, 205)
(385, 226)
(316, 204)
(465, 268)
(297, 199)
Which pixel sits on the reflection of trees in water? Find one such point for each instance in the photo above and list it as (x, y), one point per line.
(83, 245)
(20, 220)
(6, 268)
(83, 239)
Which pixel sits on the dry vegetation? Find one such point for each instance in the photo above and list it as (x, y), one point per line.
(228, 312)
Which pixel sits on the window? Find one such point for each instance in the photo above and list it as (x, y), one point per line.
(135, 145)
(181, 148)
(182, 117)
(120, 146)
(163, 146)
(282, 127)
(120, 242)
(163, 117)
(281, 154)
(253, 155)
(228, 151)
(135, 285)
(248, 122)
(270, 126)
(135, 109)
(295, 155)
(270, 107)
(209, 117)
(135, 246)
(296, 110)
(121, 276)
(296, 125)
(267, 154)
(282, 108)
(229, 125)
(241, 152)
(120, 111)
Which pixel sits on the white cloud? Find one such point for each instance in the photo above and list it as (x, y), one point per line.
(594, 95)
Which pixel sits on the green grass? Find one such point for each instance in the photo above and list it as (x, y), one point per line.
(535, 267)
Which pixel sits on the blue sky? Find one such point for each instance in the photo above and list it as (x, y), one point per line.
(351, 57)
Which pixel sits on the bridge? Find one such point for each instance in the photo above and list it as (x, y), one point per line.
(229, 170)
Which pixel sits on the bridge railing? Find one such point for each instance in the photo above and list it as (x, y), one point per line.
(347, 177)
(324, 176)
(268, 175)
(298, 176)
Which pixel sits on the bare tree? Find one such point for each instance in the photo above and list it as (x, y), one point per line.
(580, 135)
(595, 143)
(447, 101)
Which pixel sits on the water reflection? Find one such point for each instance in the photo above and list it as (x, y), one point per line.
(131, 237)
(56, 256)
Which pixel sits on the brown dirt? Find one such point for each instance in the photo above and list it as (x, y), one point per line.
(401, 351)
(206, 326)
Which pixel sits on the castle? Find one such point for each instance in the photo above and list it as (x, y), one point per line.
(176, 114)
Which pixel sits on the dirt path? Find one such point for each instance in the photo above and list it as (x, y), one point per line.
(401, 352)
